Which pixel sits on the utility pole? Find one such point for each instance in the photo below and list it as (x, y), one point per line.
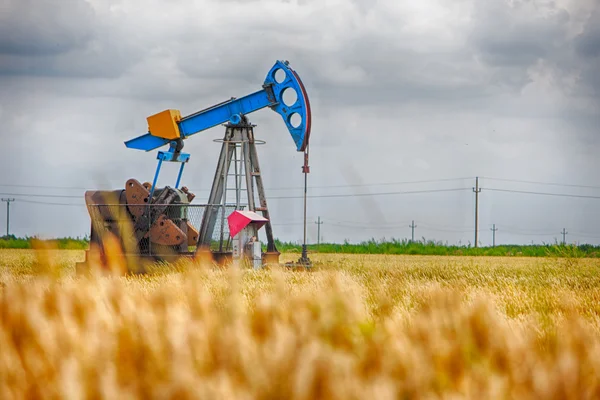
(319, 223)
(412, 226)
(8, 201)
(564, 233)
(476, 190)
(494, 229)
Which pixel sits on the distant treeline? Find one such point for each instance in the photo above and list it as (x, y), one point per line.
(372, 246)
(13, 242)
(440, 249)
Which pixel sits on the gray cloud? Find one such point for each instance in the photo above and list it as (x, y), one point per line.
(45, 28)
(62, 38)
(519, 35)
(522, 39)
(588, 47)
(588, 42)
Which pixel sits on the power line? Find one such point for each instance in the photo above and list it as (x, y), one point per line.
(363, 227)
(332, 186)
(362, 224)
(281, 197)
(388, 227)
(368, 194)
(43, 186)
(530, 234)
(446, 230)
(463, 228)
(275, 188)
(543, 193)
(376, 184)
(527, 232)
(51, 204)
(512, 227)
(394, 225)
(42, 195)
(542, 183)
(342, 186)
(583, 235)
(273, 197)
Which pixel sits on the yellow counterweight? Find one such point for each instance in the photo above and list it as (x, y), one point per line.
(164, 124)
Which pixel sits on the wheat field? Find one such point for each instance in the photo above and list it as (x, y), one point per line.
(355, 327)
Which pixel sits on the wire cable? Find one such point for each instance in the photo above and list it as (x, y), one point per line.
(541, 183)
(542, 193)
(276, 197)
(43, 186)
(49, 203)
(276, 188)
(42, 195)
(376, 184)
(368, 194)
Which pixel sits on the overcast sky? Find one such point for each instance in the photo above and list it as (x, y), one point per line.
(400, 91)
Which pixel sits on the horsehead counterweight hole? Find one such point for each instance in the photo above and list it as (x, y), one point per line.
(279, 75)
(295, 120)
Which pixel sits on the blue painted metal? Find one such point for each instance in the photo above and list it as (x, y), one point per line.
(169, 156)
(179, 175)
(235, 119)
(291, 81)
(146, 142)
(232, 110)
(173, 157)
(160, 161)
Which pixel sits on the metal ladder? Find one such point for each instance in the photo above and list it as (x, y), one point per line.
(238, 140)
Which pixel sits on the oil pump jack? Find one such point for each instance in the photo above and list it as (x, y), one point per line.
(161, 223)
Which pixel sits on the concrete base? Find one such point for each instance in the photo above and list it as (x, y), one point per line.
(270, 257)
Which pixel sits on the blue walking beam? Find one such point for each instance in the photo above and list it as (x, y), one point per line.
(168, 125)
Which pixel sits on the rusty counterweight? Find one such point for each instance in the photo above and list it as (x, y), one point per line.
(143, 226)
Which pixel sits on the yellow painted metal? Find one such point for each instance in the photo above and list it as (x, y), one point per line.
(164, 124)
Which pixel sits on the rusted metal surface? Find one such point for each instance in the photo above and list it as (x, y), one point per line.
(151, 214)
(165, 232)
(159, 229)
(192, 234)
(271, 257)
(102, 199)
(190, 196)
(137, 196)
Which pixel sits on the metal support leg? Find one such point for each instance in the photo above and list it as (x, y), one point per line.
(179, 176)
(155, 180)
(262, 198)
(224, 197)
(216, 193)
(248, 172)
(248, 169)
